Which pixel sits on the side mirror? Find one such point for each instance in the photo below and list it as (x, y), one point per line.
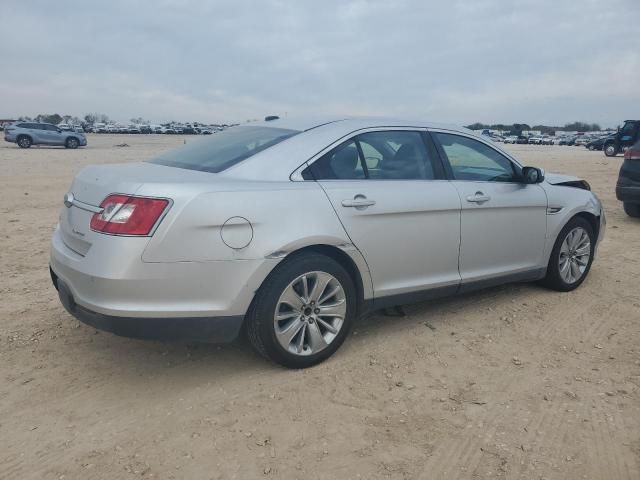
(59, 130)
(532, 175)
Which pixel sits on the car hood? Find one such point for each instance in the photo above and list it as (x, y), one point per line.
(556, 178)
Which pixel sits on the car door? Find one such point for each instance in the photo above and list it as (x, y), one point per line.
(503, 221)
(390, 194)
(42, 134)
(53, 135)
(34, 130)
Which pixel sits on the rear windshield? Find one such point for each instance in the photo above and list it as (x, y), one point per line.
(222, 150)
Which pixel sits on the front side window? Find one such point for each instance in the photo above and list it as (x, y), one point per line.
(384, 155)
(225, 149)
(628, 128)
(51, 128)
(474, 161)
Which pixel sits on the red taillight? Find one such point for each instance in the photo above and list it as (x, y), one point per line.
(632, 154)
(127, 215)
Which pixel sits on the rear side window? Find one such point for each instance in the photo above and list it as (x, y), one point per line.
(383, 155)
(222, 150)
(341, 163)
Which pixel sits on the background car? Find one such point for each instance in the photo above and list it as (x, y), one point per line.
(156, 259)
(25, 134)
(628, 186)
(581, 141)
(597, 143)
(626, 136)
(511, 139)
(522, 139)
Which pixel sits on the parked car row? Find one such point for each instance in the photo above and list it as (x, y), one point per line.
(147, 129)
(588, 141)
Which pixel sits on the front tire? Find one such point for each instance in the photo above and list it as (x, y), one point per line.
(72, 143)
(303, 311)
(24, 141)
(632, 209)
(572, 256)
(610, 150)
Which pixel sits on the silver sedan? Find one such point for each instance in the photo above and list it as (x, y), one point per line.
(293, 229)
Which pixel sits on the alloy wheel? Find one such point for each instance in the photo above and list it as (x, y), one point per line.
(574, 255)
(310, 313)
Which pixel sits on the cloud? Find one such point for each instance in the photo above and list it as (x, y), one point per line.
(458, 61)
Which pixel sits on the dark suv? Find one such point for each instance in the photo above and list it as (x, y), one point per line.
(626, 136)
(628, 187)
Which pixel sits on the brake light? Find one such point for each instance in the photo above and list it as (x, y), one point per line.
(128, 215)
(632, 154)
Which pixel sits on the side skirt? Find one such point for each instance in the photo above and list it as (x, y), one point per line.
(372, 305)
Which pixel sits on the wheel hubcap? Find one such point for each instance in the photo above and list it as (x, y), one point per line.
(310, 313)
(574, 255)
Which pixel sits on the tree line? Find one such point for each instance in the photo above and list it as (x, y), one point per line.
(518, 128)
(56, 118)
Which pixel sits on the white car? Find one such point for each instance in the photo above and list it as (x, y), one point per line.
(511, 139)
(294, 228)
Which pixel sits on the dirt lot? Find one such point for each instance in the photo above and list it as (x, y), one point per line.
(513, 382)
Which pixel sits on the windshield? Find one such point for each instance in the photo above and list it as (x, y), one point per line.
(224, 149)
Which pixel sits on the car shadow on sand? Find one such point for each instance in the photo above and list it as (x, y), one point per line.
(192, 363)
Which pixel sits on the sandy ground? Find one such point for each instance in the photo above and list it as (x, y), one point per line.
(513, 382)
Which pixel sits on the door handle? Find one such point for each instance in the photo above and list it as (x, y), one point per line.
(359, 201)
(479, 197)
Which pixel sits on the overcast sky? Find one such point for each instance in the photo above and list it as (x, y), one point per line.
(460, 61)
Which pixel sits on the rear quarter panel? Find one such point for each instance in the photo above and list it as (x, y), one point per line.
(284, 216)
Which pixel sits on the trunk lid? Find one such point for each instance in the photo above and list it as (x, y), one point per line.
(94, 183)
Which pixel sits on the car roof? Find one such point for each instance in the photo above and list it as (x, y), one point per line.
(352, 123)
(317, 135)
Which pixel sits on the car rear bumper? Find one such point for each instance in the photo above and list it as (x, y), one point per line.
(630, 194)
(210, 329)
(112, 289)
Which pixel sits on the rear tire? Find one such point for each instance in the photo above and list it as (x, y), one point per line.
(632, 209)
(72, 143)
(271, 323)
(24, 141)
(568, 267)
